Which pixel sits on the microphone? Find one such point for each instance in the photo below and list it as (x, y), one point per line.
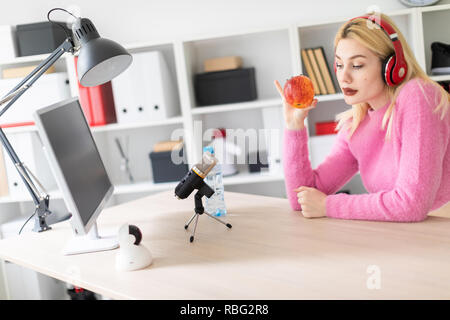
(193, 180)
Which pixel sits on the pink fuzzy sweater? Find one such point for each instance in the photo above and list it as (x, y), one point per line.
(406, 177)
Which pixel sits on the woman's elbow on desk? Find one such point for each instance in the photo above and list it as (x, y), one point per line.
(414, 215)
(376, 207)
(412, 209)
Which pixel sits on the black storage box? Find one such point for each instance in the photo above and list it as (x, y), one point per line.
(228, 86)
(39, 38)
(164, 170)
(260, 158)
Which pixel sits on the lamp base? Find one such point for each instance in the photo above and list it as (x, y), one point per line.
(42, 211)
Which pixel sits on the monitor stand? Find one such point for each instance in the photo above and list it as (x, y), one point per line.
(91, 242)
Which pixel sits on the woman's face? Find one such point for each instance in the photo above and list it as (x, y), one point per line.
(358, 71)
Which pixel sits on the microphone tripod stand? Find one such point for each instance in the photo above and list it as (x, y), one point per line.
(199, 209)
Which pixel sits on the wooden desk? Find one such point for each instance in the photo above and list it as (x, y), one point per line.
(270, 253)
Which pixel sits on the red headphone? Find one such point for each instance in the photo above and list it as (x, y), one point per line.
(394, 67)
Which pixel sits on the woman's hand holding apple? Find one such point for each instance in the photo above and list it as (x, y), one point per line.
(297, 100)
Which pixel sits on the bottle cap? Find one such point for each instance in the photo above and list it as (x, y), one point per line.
(208, 149)
(219, 133)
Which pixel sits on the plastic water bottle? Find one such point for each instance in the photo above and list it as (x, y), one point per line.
(215, 205)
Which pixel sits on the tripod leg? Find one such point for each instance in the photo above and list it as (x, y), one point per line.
(227, 224)
(195, 228)
(189, 222)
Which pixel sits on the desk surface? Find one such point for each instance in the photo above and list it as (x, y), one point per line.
(271, 252)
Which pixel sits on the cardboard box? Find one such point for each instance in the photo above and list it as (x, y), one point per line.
(223, 63)
(4, 191)
(22, 72)
(167, 146)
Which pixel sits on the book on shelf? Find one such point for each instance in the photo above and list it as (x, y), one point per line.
(310, 72)
(316, 70)
(324, 70)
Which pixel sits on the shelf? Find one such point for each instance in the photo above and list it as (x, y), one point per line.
(330, 97)
(21, 129)
(128, 126)
(143, 187)
(323, 138)
(435, 8)
(55, 194)
(247, 177)
(108, 127)
(29, 59)
(259, 104)
(240, 178)
(152, 44)
(444, 77)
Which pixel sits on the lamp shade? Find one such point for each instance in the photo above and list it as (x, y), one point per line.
(99, 60)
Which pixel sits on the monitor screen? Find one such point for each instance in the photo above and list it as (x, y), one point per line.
(76, 154)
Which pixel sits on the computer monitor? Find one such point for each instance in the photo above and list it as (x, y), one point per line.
(79, 172)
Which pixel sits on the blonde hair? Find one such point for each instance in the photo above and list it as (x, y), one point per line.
(376, 40)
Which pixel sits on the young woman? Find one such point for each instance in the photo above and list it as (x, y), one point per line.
(396, 134)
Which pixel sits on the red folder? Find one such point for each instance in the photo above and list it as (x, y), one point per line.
(102, 105)
(325, 128)
(97, 103)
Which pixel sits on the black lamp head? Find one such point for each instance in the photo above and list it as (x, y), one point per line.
(100, 60)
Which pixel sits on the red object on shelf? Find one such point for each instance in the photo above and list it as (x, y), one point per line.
(102, 105)
(97, 103)
(85, 102)
(19, 124)
(323, 128)
(219, 133)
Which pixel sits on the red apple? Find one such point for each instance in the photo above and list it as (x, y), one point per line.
(299, 91)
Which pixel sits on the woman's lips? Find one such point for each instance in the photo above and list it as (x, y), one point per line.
(349, 92)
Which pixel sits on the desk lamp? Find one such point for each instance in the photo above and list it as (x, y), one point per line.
(99, 61)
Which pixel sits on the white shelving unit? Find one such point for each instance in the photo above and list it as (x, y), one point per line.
(275, 54)
(259, 104)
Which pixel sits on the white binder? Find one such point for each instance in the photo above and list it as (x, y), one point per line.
(9, 46)
(48, 89)
(145, 92)
(28, 148)
(274, 128)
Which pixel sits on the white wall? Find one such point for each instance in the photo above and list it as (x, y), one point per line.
(133, 21)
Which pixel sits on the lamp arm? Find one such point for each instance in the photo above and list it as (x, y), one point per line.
(26, 172)
(41, 202)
